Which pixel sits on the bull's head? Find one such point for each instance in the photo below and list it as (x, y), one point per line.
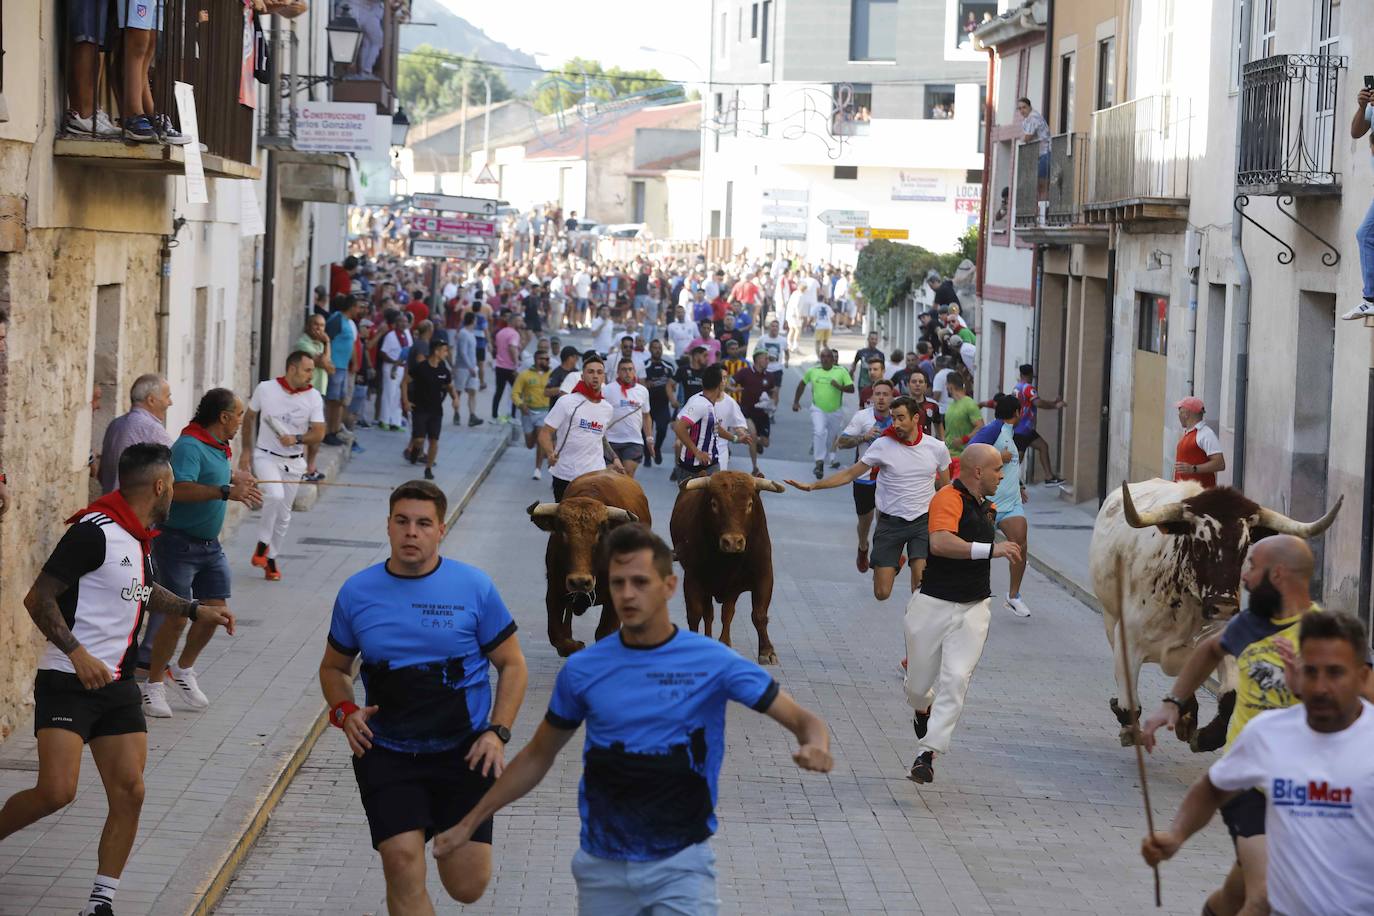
(1217, 527)
(730, 496)
(580, 522)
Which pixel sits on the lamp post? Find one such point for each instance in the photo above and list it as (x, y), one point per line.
(345, 35)
(400, 126)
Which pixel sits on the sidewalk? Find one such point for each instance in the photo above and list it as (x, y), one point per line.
(212, 776)
(1060, 535)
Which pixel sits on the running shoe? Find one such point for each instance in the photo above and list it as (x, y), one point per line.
(140, 130)
(312, 476)
(429, 474)
(536, 475)
(410, 456)
(273, 573)
(1054, 481)
(457, 420)
(260, 555)
(362, 424)
(102, 909)
(861, 561)
(819, 470)
(184, 679)
(1016, 606)
(332, 439)
(97, 127)
(475, 421)
(357, 449)
(155, 700)
(923, 770)
(1364, 310)
(920, 722)
(834, 464)
(167, 133)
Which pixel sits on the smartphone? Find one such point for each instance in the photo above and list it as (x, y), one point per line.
(1368, 81)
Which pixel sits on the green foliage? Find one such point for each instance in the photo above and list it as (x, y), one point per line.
(429, 82)
(559, 92)
(888, 271)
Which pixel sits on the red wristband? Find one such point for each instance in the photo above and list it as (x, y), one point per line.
(342, 711)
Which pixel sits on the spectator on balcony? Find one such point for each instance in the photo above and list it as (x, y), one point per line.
(1364, 119)
(86, 29)
(140, 23)
(369, 14)
(1034, 128)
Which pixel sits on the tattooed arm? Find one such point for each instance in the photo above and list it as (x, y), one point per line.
(164, 602)
(41, 603)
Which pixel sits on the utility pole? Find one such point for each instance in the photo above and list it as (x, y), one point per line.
(463, 137)
(586, 146)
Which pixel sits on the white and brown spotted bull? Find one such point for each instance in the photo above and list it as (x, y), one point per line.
(1182, 548)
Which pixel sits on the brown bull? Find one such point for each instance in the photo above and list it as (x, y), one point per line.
(592, 505)
(720, 536)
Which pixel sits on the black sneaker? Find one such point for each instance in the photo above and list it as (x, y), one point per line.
(475, 421)
(140, 130)
(101, 909)
(920, 722)
(457, 420)
(819, 470)
(923, 770)
(333, 439)
(362, 424)
(1054, 481)
(429, 474)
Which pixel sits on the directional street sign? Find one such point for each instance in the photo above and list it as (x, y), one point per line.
(835, 235)
(784, 214)
(785, 211)
(844, 217)
(793, 231)
(454, 226)
(866, 232)
(451, 203)
(774, 194)
(430, 248)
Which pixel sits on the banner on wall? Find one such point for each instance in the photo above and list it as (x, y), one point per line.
(915, 186)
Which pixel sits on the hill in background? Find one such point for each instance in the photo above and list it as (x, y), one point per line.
(455, 34)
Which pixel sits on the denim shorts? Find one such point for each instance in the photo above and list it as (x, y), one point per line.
(87, 21)
(189, 566)
(684, 884)
(338, 385)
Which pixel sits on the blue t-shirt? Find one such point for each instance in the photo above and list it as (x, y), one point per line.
(194, 461)
(425, 642)
(342, 333)
(655, 738)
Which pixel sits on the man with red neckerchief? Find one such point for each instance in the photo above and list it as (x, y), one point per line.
(574, 433)
(290, 415)
(910, 466)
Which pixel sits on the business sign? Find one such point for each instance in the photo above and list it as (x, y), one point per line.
(342, 127)
(835, 235)
(968, 198)
(454, 226)
(452, 203)
(433, 248)
(915, 186)
(867, 232)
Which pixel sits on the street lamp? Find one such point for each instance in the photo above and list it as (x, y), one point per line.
(345, 35)
(400, 126)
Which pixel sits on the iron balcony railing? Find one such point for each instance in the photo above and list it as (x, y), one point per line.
(1289, 124)
(1059, 202)
(201, 43)
(1028, 198)
(278, 124)
(1140, 150)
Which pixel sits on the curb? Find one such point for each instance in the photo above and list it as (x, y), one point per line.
(224, 875)
(1063, 581)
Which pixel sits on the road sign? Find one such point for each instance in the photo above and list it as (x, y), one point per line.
(785, 194)
(784, 214)
(843, 217)
(835, 235)
(432, 248)
(781, 211)
(486, 177)
(452, 203)
(454, 226)
(866, 232)
(793, 231)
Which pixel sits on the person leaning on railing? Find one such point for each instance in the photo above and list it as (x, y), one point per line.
(1359, 126)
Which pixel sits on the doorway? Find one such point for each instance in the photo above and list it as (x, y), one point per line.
(1147, 385)
(1316, 326)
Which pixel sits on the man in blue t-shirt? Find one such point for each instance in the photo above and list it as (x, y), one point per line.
(654, 699)
(430, 740)
(1011, 492)
(342, 328)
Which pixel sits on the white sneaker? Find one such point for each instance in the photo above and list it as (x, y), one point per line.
(1364, 310)
(1017, 606)
(535, 475)
(155, 700)
(185, 681)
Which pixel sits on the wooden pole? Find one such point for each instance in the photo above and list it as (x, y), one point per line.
(1132, 712)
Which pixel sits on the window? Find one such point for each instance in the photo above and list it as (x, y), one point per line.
(1328, 45)
(853, 108)
(873, 30)
(637, 201)
(846, 173)
(971, 14)
(764, 54)
(754, 21)
(1106, 74)
(1066, 92)
(1152, 323)
(723, 32)
(939, 101)
(739, 24)
(1266, 28)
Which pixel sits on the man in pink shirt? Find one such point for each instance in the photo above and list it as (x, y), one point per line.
(506, 358)
(705, 339)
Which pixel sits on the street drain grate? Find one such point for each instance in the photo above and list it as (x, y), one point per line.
(341, 542)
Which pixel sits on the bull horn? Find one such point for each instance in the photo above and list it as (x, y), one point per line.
(762, 484)
(697, 483)
(617, 515)
(542, 510)
(1282, 524)
(1171, 513)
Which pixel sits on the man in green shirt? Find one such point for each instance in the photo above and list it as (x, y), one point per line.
(829, 383)
(315, 341)
(962, 416)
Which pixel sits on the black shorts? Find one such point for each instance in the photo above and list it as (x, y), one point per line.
(560, 486)
(895, 535)
(426, 424)
(1023, 440)
(1244, 814)
(59, 701)
(629, 451)
(763, 424)
(481, 353)
(865, 497)
(429, 792)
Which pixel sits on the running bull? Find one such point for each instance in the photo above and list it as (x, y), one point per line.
(593, 504)
(720, 536)
(1182, 548)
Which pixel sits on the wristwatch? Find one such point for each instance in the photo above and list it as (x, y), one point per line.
(1175, 700)
(499, 731)
(224, 491)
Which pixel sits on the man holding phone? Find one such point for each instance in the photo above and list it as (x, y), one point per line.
(1364, 236)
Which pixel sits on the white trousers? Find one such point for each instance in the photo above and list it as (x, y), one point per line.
(391, 396)
(944, 641)
(825, 429)
(276, 497)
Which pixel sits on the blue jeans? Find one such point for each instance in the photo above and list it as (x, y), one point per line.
(189, 567)
(684, 884)
(1365, 236)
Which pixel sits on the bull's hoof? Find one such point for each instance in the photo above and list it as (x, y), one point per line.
(571, 646)
(1127, 737)
(1187, 721)
(768, 658)
(1212, 736)
(1122, 716)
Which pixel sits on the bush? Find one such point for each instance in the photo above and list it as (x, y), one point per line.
(888, 271)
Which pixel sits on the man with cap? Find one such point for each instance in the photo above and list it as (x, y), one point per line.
(1198, 456)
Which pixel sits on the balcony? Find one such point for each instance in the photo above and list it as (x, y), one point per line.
(1288, 135)
(371, 77)
(201, 44)
(1140, 162)
(1052, 213)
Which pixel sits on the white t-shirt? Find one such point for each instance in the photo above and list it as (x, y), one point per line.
(1319, 821)
(638, 357)
(728, 416)
(450, 291)
(841, 289)
(775, 346)
(712, 290)
(680, 334)
(579, 426)
(582, 284)
(859, 425)
(570, 381)
(937, 388)
(292, 412)
(627, 422)
(1206, 439)
(604, 329)
(906, 474)
(823, 314)
(810, 286)
(796, 305)
(707, 419)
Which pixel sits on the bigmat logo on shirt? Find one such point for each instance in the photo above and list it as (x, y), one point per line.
(1313, 799)
(593, 425)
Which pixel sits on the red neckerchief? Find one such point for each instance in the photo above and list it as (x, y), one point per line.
(201, 434)
(625, 389)
(281, 380)
(117, 508)
(582, 389)
(891, 433)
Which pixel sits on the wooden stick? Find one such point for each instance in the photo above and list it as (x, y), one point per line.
(331, 483)
(1134, 717)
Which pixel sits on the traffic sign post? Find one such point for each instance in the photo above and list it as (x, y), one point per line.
(843, 217)
(453, 226)
(784, 213)
(475, 249)
(453, 203)
(867, 232)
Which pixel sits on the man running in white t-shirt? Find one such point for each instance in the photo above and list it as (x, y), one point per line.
(631, 430)
(574, 433)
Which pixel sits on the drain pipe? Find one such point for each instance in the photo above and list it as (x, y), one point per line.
(1104, 435)
(164, 305)
(1367, 518)
(1242, 341)
(269, 272)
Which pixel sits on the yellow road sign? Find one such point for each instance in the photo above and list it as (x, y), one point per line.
(867, 232)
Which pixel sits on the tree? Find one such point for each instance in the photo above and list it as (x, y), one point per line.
(429, 82)
(887, 271)
(564, 88)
